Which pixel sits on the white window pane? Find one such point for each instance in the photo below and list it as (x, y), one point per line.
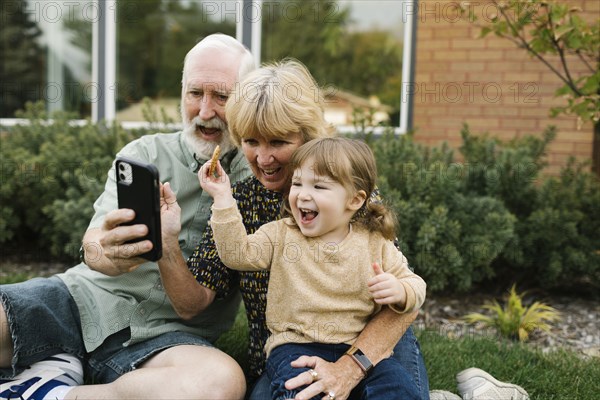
(46, 55)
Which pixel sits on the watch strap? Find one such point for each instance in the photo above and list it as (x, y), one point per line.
(360, 358)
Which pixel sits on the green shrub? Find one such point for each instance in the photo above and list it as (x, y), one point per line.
(445, 234)
(508, 171)
(69, 216)
(52, 171)
(561, 240)
(556, 239)
(492, 216)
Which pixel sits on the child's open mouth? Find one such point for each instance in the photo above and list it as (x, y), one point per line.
(307, 215)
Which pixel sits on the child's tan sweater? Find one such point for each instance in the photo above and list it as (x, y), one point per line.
(317, 291)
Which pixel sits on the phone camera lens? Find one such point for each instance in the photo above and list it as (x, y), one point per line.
(122, 167)
(122, 176)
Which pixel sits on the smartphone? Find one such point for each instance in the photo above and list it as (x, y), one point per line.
(138, 188)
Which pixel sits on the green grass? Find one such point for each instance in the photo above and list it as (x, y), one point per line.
(554, 376)
(15, 278)
(235, 341)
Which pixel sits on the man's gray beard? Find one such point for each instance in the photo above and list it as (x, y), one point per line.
(202, 148)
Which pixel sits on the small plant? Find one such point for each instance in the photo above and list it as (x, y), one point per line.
(516, 321)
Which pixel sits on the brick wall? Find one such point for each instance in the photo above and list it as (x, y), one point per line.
(488, 83)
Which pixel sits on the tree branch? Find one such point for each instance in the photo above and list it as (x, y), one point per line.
(527, 47)
(585, 62)
(561, 54)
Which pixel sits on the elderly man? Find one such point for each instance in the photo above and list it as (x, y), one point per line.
(113, 310)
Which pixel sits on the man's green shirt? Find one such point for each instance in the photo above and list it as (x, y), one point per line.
(137, 300)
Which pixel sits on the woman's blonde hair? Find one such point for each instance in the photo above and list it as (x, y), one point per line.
(275, 101)
(351, 163)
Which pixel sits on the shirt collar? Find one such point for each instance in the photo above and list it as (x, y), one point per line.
(188, 156)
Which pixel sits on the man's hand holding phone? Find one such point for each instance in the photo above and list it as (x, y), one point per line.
(106, 248)
(131, 234)
(109, 245)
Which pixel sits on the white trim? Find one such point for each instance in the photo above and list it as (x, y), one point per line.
(110, 74)
(254, 19)
(375, 130)
(159, 126)
(239, 16)
(95, 90)
(407, 65)
(26, 122)
(104, 60)
(256, 31)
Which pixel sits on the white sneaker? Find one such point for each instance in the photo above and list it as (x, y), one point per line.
(442, 395)
(476, 384)
(36, 381)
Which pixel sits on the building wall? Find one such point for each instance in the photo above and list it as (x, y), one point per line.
(488, 83)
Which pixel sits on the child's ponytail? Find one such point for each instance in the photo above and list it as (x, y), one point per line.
(375, 216)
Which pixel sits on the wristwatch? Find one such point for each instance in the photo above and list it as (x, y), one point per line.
(360, 358)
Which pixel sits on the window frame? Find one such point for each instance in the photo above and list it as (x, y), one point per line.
(248, 32)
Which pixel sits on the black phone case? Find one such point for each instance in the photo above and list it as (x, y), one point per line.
(143, 196)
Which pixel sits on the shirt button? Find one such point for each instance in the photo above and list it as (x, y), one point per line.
(193, 165)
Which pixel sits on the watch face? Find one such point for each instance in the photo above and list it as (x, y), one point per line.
(361, 358)
(364, 360)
